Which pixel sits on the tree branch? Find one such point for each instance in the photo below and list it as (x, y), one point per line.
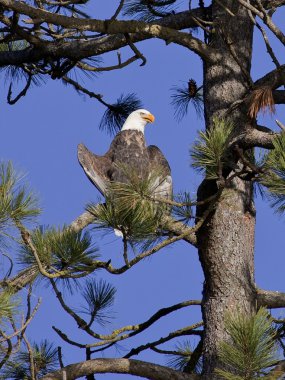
(117, 335)
(126, 366)
(273, 79)
(189, 330)
(166, 28)
(270, 299)
(255, 137)
(279, 96)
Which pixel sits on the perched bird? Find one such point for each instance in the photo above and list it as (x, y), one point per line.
(128, 150)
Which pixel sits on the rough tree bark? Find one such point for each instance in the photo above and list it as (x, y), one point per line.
(226, 241)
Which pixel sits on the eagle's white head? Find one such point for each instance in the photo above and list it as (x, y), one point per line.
(137, 120)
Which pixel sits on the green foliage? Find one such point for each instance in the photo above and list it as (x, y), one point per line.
(148, 10)
(45, 359)
(115, 116)
(251, 349)
(274, 176)
(60, 249)
(209, 153)
(180, 359)
(182, 98)
(99, 297)
(8, 305)
(130, 206)
(17, 203)
(183, 213)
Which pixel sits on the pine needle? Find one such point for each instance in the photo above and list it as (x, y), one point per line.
(115, 116)
(130, 206)
(251, 348)
(209, 152)
(183, 96)
(261, 100)
(148, 10)
(274, 174)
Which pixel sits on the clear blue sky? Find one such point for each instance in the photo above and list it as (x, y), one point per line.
(40, 135)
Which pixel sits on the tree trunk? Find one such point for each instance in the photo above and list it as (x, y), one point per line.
(226, 241)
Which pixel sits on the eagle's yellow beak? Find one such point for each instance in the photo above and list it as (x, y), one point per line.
(149, 118)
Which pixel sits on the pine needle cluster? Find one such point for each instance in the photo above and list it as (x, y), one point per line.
(131, 207)
(116, 114)
(148, 10)
(182, 356)
(44, 358)
(8, 305)
(209, 153)
(183, 213)
(17, 203)
(274, 174)
(251, 349)
(60, 249)
(99, 297)
(261, 100)
(183, 96)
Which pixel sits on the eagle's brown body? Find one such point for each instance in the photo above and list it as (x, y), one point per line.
(129, 150)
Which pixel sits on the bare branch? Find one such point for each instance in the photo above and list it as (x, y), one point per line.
(279, 96)
(189, 330)
(256, 138)
(31, 358)
(21, 93)
(165, 29)
(270, 299)
(124, 366)
(260, 11)
(82, 89)
(116, 335)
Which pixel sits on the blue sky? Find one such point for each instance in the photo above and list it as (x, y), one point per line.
(40, 135)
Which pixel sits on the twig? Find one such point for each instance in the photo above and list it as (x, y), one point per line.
(120, 65)
(21, 93)
(134, 329)
(24, 326)
(118, 10)
(59, 355)
(125, 254)
(31, 358)
(135, 49)
(189, 330)
(280, 125)
(91, 94)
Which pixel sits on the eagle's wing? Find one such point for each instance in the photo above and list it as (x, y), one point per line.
(159, 162)
(95, 167)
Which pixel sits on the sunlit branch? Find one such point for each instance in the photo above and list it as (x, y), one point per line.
(8, 351)
(270, 299)
(31, 358)
(265, 39)
(116, 336)
(123, 366)
(264, 16)
(26, 237)
(113, 27)
(120, 65)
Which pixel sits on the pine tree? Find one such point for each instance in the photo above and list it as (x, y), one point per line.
(59, 40)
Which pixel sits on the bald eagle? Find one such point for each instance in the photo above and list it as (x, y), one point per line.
(128, 149)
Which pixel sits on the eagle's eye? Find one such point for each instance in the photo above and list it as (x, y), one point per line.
(142, 113)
